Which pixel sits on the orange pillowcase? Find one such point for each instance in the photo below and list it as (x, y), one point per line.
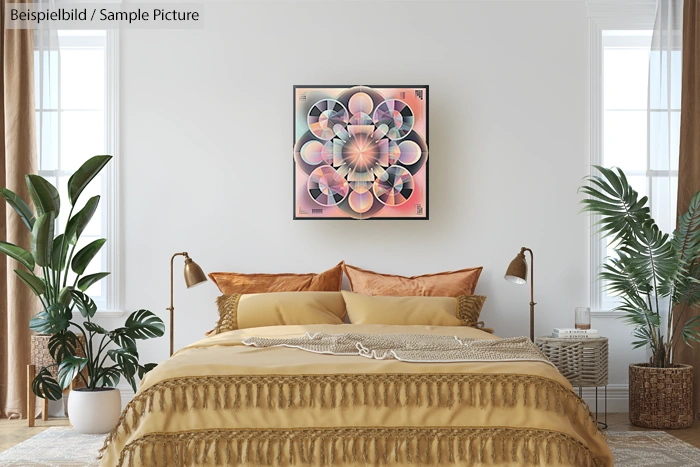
(234, 282)
(442, 284)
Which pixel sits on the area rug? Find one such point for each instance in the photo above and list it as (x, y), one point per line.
(651, 448)
(64, 447)
(54, 447)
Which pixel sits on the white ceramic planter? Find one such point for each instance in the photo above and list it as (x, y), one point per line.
(94, 412)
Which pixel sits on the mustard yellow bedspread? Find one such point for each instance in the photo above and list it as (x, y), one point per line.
(219, 402)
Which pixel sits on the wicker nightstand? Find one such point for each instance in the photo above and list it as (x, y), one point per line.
(584, 362)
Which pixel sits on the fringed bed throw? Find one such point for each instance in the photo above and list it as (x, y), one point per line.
(410, 347)
(363, 446)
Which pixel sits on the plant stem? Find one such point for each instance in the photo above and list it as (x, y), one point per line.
(63, 244)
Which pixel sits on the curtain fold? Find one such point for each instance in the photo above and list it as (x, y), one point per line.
(17, 158)
(689, 156)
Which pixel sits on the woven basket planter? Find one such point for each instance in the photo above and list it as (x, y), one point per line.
(661, 398)
(41, 356)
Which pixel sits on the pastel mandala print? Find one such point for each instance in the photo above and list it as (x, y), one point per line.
(360, 152)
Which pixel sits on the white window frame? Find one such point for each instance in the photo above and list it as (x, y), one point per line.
(624, 15)
(111, 306)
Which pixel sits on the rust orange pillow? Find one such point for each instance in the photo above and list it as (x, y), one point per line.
(442, 284)
(235, 282)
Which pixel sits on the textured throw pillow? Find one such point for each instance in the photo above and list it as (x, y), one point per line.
(427, 311)
(234, 282)
(443, 284)
(241, 311)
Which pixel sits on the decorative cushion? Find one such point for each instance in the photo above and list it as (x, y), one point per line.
(427, 311)
(443, 284)
(241, 311)
(239, 283)
(468, 310)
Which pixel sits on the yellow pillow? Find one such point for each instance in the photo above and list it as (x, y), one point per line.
(241, 311)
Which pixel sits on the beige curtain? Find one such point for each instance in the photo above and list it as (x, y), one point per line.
(689, 155)
(17, 158)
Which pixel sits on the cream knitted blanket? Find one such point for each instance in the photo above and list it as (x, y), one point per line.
(410, 347)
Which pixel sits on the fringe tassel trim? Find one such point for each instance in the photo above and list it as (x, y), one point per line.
(373, 446)
(278, 392)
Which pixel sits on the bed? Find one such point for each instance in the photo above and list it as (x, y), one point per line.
(220, 402)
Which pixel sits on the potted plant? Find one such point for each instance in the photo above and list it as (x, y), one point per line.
(46, 271)
(657, 279)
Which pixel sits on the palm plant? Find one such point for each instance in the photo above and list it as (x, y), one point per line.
(652, 271)
(60, 296)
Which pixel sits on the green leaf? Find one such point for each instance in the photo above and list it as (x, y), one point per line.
(69, 369)
(17, 253)
(143, 324)
(42, 239)
(145, 369)
(92, 327)
(64, 295)
(35, 283)
(62, 345)
(46, 387)
(54, 319)
(20, 207)
(44, 195)
(82, 259)
(59, 251)
(84, 175)
(85, 304)
(690, 332)
(85, 282)
(128, 362)
(76, 224)
(121, 337)
(108, 377)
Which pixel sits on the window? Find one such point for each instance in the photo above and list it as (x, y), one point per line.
(75, 92)
(630, 129)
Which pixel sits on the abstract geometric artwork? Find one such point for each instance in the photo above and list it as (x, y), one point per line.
(360, 152)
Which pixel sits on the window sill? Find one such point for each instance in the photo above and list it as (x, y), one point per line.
(110, 313)
(607, 314)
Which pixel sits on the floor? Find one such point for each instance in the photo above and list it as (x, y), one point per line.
(620, 422)
(15, 431)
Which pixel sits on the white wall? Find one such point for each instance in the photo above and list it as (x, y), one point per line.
(206, 119)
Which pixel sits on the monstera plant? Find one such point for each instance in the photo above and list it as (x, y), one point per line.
(55, 273)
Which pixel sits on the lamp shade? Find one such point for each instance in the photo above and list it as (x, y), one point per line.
(193, 273)
(517, 270)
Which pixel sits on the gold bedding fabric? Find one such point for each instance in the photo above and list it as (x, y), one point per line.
(219, 402)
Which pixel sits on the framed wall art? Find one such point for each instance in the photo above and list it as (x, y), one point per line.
(360, 152)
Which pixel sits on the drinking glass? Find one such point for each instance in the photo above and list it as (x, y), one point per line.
(583, 318)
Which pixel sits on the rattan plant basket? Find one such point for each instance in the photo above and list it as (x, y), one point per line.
(41, 356)
(661, 398)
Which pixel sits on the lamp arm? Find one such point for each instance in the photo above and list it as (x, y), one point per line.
(171, 309)
(532, 292)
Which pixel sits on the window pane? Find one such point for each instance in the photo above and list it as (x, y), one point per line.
(625, 139)
(46, 72)
(675, 138)
(82, 78)
(626, 72)
(82, 136)
(47, 139)
(664, 192)
(676, 70)
(659, 148)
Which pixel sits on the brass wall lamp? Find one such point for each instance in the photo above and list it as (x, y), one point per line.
(193, 276)
(517, 273)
